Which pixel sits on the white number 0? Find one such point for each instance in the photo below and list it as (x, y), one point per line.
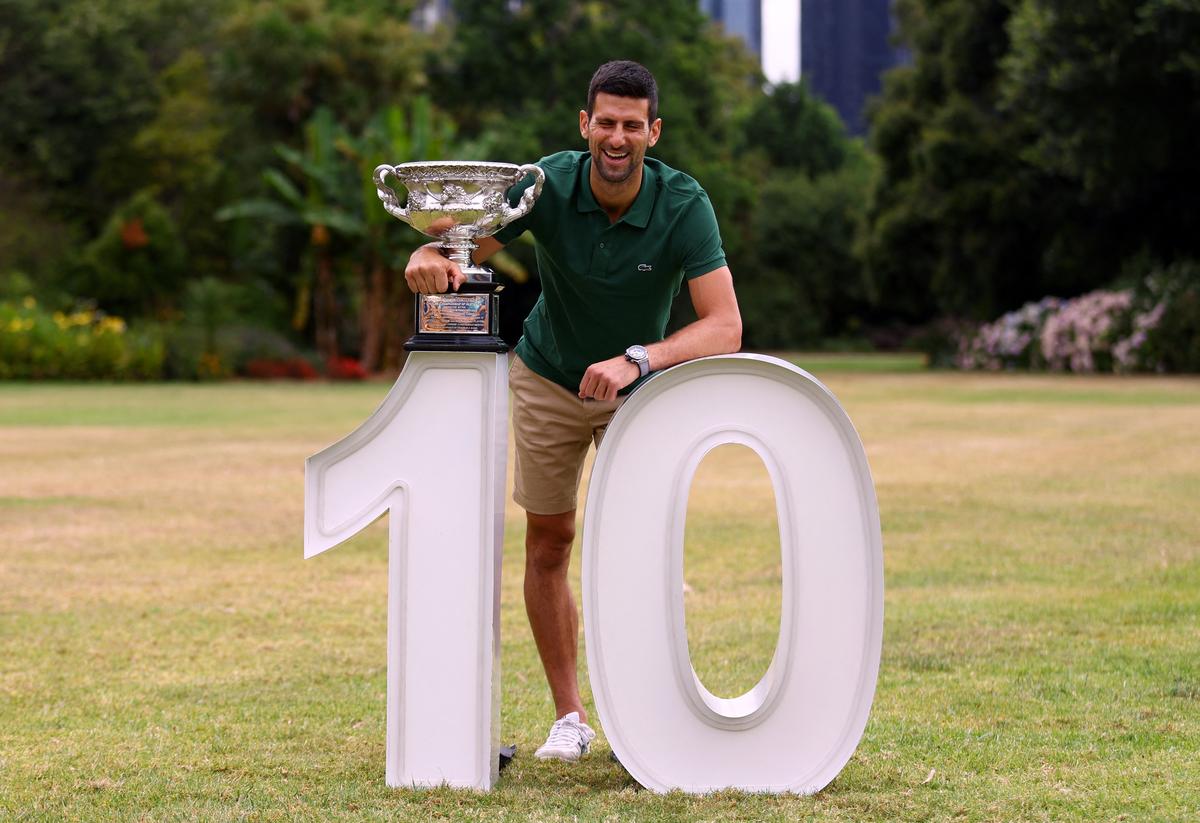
(441, 436)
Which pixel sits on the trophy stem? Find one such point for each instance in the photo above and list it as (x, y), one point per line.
(460, 251)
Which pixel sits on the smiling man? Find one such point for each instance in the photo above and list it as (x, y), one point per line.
(617, 234)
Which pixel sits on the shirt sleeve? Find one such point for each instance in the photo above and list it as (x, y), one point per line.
(527, 223)
(701, 249)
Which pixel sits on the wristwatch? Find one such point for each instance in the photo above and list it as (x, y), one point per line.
(639, 355)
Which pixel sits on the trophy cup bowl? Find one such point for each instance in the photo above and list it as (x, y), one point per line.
(458, 202)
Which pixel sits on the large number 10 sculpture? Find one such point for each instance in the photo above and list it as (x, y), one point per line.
(434, 455)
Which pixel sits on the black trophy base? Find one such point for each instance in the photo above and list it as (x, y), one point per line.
(424, 341)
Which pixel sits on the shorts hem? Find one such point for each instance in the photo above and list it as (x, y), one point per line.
(558, 506)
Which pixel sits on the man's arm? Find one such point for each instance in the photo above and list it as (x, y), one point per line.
(717, 330)
(430, 272)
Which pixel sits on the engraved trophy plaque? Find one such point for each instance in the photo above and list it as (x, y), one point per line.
(456, 203)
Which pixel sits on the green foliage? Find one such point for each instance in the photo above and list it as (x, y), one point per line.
(1173, 345)
(280, 62)
(801, 282)
(138, 263)
(271, 116)
(1114, 89)
(952, 221)
(794, 130)
(83, 345)
(325, 202)
(179, 149)
(518, 77)
(210, 305)
(1032, 148)
(77, 81)
(104, 99)
(217, 333)
(798, 276)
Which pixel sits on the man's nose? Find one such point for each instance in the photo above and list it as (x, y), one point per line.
(618, 137)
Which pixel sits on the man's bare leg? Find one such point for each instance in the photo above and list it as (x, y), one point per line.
(551, 607)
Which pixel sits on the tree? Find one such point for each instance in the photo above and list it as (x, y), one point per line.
(137, 264)
(792, 129)
(958, 219)
(799, 279)
(323, 207)
(1115, 90)
(77, 82)
(279, 62)
(1032, 148)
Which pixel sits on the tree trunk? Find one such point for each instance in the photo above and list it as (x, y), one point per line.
(399, 323)
(374, 314)
(325, 308)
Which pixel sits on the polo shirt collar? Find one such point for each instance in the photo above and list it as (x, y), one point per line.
(639, 212)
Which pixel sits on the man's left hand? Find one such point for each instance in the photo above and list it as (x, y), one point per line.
(603, 380)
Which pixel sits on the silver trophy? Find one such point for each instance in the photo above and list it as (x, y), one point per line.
(458, 203)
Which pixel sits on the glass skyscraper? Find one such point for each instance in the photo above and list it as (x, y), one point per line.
(841, 48)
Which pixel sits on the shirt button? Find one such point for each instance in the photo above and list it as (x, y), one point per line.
(601, 245)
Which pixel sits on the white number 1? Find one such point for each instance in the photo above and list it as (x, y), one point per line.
(433, 454)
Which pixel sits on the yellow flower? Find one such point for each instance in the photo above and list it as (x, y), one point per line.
(81, 318)
(112, 324)
(29, 303)
(60, 320)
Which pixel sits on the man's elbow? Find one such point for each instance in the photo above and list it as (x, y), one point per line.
(733, 334)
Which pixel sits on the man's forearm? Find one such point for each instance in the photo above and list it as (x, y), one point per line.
(715, 334)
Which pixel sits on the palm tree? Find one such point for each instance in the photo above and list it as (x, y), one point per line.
(391, 137)
(322, 207)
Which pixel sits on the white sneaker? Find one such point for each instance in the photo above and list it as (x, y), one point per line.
(568, 740)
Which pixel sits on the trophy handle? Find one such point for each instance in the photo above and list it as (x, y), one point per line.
(390, 201)
(527, 199)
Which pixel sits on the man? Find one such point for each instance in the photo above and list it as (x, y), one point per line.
(616, 234)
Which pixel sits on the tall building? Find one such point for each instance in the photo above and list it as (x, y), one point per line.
(840, 48)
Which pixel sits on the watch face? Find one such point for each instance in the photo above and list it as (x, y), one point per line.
(636, 352)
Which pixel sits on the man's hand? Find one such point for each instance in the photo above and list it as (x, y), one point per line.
(603, 380)
(429, 272)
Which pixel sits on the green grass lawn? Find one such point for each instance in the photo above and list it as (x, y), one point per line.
(166, 654)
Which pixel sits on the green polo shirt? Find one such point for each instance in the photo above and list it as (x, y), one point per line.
(607, 286)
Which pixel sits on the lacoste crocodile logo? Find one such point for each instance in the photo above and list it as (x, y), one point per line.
(645, 267)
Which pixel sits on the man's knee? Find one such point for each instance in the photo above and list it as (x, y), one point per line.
(548, 539)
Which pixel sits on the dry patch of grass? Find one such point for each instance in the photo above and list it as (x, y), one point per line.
(165, 653)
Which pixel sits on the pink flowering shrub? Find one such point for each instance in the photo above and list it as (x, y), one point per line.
(1081, 331)
(1104, 330)
(1006, 343)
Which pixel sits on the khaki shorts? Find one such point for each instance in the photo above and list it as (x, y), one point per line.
(552, 429)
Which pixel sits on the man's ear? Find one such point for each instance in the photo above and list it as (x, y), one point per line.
(583, 124)
(655, 131)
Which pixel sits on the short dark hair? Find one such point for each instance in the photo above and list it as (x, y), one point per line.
(624, 78)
